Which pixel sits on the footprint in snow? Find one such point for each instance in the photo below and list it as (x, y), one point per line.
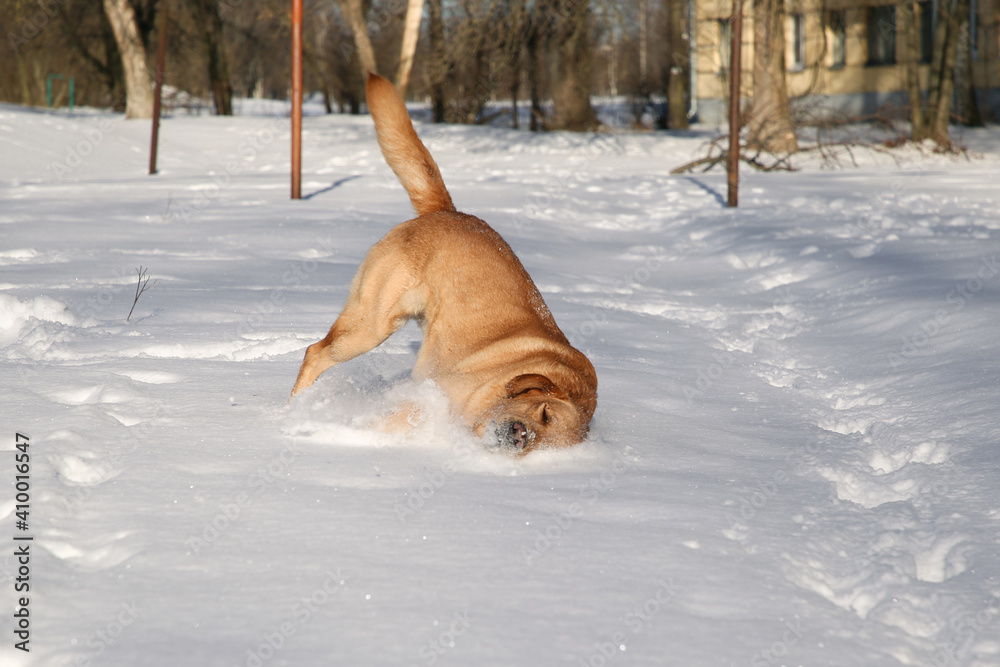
(76, 470)
(102, 551)
(151, 377)
(879, 468)
(88, 395)
(874, 577)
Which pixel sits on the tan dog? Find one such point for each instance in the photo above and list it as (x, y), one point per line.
(489, 339)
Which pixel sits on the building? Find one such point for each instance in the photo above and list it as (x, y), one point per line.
(843, 58)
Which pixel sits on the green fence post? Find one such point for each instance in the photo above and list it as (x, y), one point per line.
(48, 88)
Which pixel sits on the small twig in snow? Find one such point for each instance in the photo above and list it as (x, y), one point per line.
(141, 286)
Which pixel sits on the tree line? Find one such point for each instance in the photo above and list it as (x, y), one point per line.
(547, 56)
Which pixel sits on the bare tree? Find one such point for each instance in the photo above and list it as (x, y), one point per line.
(355, 11)
(315, 34)
(572, 46)
(679, 64)
(770, 126)
(345, 75)
(138, 88)
(107, 65)
(911, 36)
(438, 66)
(968, 105)
(210, 24)
(538, 34)
(515, 25)
(643, 48)
(942, 76)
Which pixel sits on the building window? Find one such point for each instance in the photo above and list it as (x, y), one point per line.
(838, 38)
(798, 41)
(725, 40)
(881, 35)
(926, 31)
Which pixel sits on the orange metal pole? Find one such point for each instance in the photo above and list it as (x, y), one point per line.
(296, 99)
(161, 51)
(735, 70)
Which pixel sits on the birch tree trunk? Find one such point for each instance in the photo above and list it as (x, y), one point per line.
(411, 32)
(355, 11)
(138, 81)
(770, 123)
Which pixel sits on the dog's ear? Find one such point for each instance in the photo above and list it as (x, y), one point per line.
(522, 384)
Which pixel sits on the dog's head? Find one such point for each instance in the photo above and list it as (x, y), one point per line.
(536, 413)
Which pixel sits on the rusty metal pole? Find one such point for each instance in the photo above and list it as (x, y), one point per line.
(296, 99)
(161, 51)
(735, 69)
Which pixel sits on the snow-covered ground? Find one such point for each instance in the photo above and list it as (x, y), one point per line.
(794, 460)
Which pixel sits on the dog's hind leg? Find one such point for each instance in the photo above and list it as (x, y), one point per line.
(383, 297)
(348, 338)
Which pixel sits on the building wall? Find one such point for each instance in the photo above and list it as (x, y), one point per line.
(855, 88)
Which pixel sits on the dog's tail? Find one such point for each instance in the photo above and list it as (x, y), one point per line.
(403, 150)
